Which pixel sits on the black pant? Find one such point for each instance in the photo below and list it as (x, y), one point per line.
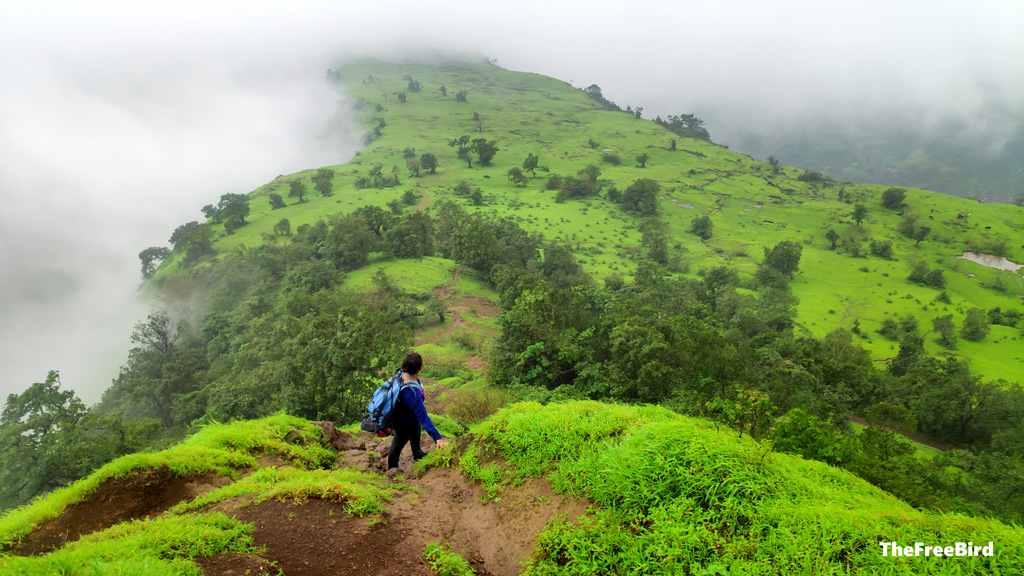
(405, 433)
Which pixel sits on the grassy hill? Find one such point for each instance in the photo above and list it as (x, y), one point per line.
(751, 207)
(580, 279)
(577, 488)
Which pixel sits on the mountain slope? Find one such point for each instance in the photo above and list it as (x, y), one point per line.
(663, 494)
(751, 207)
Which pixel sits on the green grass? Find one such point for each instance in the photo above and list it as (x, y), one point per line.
(162, 546)
(751, 208)
(220, 449)
(444, 562)
(674, 496)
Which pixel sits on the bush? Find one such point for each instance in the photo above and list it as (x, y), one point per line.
(611, 158)
(473, 405)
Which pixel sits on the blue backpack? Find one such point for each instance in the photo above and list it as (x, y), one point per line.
(380, 412)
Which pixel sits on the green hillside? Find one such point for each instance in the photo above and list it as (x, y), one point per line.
(557, 262)
(751, 208)
(663, 494)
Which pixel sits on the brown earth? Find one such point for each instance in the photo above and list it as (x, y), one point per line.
(318, 538)
(140, 494)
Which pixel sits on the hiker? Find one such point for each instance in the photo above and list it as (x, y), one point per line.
(410, 414)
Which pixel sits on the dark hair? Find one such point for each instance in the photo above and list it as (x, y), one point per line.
(412, 363)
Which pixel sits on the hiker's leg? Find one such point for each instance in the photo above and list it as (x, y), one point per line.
(414, 441)
(402, 434)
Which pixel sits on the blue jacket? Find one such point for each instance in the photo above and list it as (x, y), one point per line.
(411, 409)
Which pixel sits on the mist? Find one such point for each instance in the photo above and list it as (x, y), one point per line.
(118, 122)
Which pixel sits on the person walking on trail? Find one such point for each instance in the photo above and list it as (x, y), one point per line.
(411, 414)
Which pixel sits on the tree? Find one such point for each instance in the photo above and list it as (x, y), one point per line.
(774, 163)
(882, 249)
(477, 197)
(530, 164)
(410, 198)
(232, 210)
(654, 239)
(463, 148)
(641, 197)
(322, 181)
(156, 333)
(975, 326)
(414, 166)
(516, 176)
(444, 91)
(893, 197)
(297, 189)
(283, 228)
(860, 212)
(401, 97)
(920, 233)
(685, 125)
(485, 150)
(39, 437)
(429, 162)
(414, 85)
(642, 160)
(784, 257)
(275, 201)
(702, 226)
(151, 258)
(832, 236)
(195, 239)
(460, 96)
(943, 326)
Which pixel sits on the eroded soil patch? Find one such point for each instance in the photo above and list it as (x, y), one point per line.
(319, 538)
(140, 494)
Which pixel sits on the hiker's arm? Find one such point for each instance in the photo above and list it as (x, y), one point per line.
(413, 400)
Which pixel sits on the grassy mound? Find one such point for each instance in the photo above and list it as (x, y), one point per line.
(678, 497)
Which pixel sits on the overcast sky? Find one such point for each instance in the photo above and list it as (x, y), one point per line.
(119, 121)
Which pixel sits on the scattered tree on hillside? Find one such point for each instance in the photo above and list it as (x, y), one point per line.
(530, 164)
(654, 239)
(641, 197)
(943, 326)
(444, 91)
(882, 249)
(275, 201)
(410, 198)
(685, 125)
(516, 176)
(401, 97)
(832, 236)
(429, 162)
(283, 228)
(702, 226)
(414, 166)
(195, 239)
(893, 197)
(463, 148)
(322, 181)
(297, 189)
(774, 163)
(477, 197)
(151, 258)
(414, 85)
(642, 160)
(921, 274)
(594, 91)
(460, 96)
(485, 150)
(920, 234)
(672, 145)
(783, 257)
(975, 326)
(860, 212)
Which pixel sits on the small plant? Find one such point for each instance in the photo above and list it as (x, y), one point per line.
(444, 562)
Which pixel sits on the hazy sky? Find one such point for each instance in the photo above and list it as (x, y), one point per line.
(119, 121)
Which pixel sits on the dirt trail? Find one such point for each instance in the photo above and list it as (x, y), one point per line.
(141, 494)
